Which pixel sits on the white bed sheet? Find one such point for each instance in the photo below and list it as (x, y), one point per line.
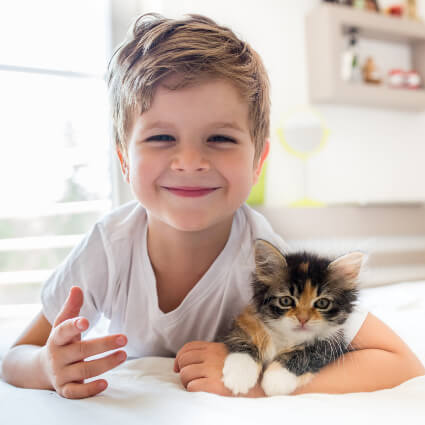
(148, 391)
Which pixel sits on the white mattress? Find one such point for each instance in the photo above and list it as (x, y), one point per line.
(148, 391)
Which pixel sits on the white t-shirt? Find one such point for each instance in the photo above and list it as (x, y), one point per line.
(112, 266)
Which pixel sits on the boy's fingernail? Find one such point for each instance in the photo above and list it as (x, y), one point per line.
(80, 325)
(101, 385)
(121, 356)
(120, 340)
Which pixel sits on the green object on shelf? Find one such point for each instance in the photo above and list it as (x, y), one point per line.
(256, 196)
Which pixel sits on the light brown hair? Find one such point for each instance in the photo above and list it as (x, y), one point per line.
(196, 48)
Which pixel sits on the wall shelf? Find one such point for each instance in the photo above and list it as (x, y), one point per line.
(326, 26)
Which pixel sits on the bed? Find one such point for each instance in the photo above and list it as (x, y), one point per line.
(147, 391)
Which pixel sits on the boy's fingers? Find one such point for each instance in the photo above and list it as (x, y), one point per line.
(76, 391)
(89, 369)
(82, 349)
(197, 346)
(194, 345)
(191, 357)
(71, 307)
(176, 366)
(67, 331)
(191, 372)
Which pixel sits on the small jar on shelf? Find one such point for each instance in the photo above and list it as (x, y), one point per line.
(398, 78)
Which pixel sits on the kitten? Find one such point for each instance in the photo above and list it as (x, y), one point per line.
(293, 325)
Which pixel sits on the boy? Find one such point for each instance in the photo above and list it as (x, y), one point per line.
(190, 106)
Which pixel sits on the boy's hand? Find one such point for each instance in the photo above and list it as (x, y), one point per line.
(200, 365)
(63, 355)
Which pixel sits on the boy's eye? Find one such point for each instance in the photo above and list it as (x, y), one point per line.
(322, 303)
(220, 138)
(168, 138)
(161, 138)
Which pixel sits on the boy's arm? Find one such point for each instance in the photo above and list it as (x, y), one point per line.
(21, 365)
(381, 360)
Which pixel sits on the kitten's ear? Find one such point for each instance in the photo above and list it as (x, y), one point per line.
(265, 252)
(270, 269)
(270, 264)
(347, 267)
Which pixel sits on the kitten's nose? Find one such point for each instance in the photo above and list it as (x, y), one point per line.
(303, 319)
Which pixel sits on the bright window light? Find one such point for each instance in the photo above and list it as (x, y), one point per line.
(55, 178)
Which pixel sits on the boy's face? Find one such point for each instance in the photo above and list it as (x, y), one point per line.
(191, 157)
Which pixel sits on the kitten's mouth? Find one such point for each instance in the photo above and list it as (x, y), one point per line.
(301, 328)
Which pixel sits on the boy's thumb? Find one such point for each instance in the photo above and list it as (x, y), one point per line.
(71, 307)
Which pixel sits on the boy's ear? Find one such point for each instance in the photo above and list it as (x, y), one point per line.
(124, 165)
(261, 160)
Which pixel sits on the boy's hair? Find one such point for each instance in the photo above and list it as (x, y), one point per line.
(195, 48)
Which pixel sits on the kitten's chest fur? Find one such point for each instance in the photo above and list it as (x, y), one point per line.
(275, 345)
(278, 342)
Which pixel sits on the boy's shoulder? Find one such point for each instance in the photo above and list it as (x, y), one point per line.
(262, 229)
(123, 221)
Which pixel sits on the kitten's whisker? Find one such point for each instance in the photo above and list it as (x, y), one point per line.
(351, 346)
(329, 342)
(334, 352)
(335, 340)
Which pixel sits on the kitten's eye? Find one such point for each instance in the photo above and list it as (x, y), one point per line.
(322, 303)
(286, 302)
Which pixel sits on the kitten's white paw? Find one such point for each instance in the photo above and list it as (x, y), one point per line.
(240, 372)
(278, 380)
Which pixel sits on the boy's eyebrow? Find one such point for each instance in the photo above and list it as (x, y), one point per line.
(218, 124)
(226, 124)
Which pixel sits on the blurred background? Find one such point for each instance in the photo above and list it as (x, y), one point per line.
(347, 135)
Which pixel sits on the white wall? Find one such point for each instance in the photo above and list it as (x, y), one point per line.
(373, 155)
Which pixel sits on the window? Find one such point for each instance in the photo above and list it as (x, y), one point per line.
(55, 165)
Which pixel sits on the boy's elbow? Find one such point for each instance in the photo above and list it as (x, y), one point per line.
(418, 369)
(411, 366)
(7, 367)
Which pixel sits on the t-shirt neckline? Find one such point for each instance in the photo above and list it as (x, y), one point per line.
(205, 285)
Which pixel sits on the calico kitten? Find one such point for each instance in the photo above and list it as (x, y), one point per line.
(293, 325)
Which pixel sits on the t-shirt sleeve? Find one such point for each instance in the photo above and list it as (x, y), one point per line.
(354, 323)
(87, 267)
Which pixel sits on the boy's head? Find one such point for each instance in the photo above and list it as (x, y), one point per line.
(196, 49)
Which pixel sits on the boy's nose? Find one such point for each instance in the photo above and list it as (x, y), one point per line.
(190, 159)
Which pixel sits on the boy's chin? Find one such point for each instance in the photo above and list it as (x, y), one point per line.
(187, 225)
(187, 222)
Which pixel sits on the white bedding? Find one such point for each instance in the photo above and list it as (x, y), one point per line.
(147, 391)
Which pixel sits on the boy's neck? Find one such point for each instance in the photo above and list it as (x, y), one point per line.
(179, 253)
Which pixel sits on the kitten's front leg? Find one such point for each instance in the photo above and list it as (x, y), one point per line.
(280, 379)
(242, 366)
(240, 372)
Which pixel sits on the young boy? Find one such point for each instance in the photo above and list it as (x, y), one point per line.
(190, 106)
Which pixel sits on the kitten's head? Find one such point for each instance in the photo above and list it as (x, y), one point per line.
(303, 294)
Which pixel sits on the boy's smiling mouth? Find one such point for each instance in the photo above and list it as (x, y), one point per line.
(190, 191)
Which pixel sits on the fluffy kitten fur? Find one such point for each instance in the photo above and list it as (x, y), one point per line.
(293, 325)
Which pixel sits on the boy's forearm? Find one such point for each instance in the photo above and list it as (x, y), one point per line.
(22, 367)
(363, 371)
